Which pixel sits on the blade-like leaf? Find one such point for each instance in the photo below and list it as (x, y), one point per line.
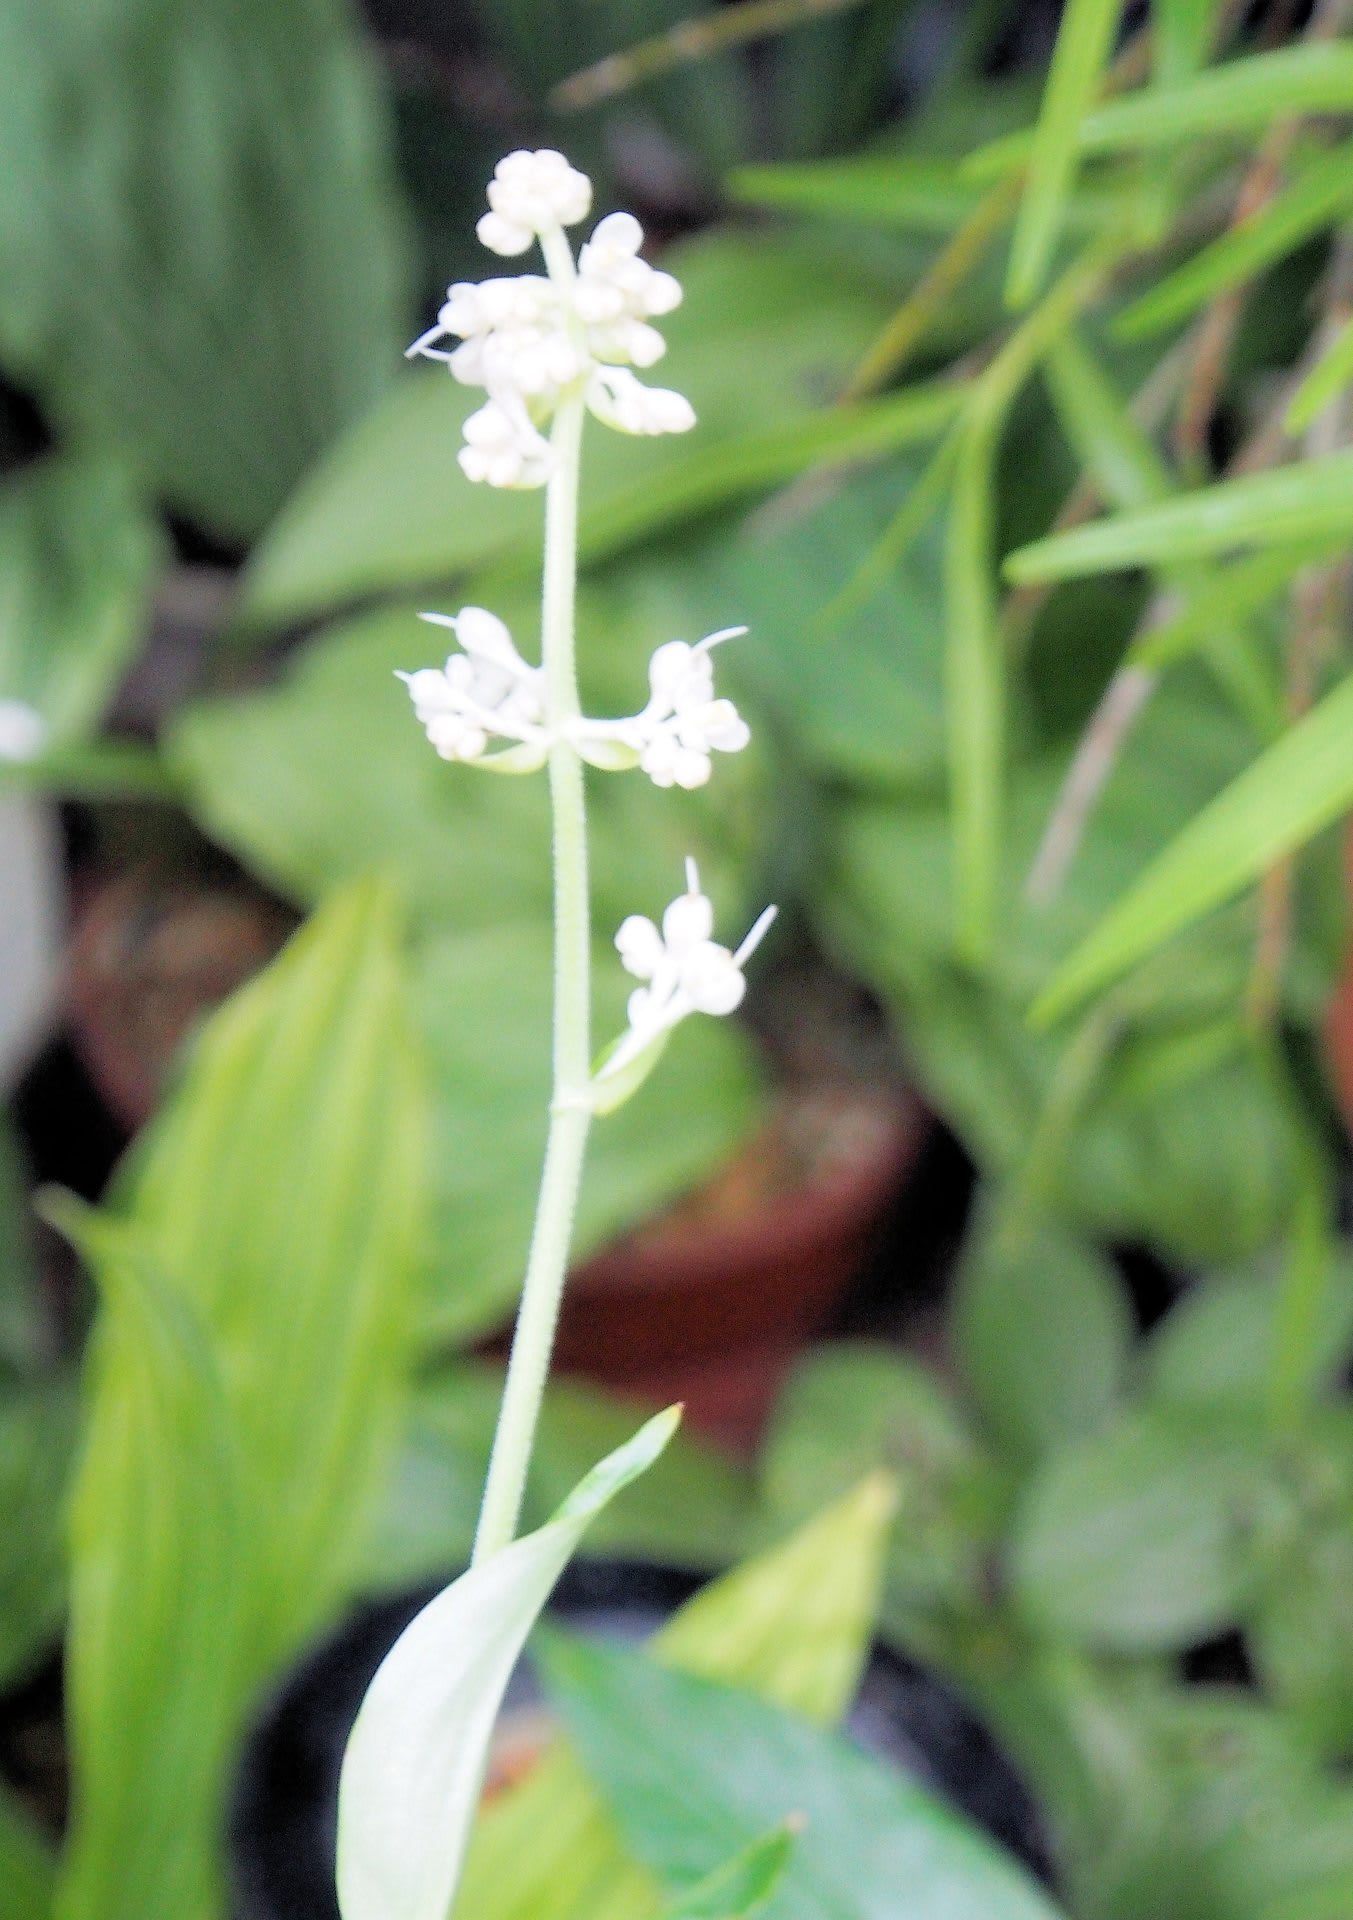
(1245, 93)
(1083, 43)
(743, 1885)
(1297, 787)
(37, 1433)
(974, 691)
(1183, 32)
(691, 1769)
(413, 1769)
(1329, 377)
(1311, 501)
(1319, 197)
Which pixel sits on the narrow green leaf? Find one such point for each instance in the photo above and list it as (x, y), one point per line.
(1184, 31)
(414, 1765)
(743, 1885)
(1083, 43)
(1243, 94)
(1126, 465)
(974, 692)
(1224, 597)
(37, 1444)
(1308, 502)
(1318, 198)
(1326, 379)
(1298, 786)
(692, 1769)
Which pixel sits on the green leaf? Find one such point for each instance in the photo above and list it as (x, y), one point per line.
(975, 693)
(792, 1624)
(1251, 92)
(692, 1769)
(1326, 379)
(414, 1765)
(388, 509)
(1311, 501)
(77, 562)
(1184, 31)
(37, 1437)
(693, 1508)
(1136, 1540)
(743, 1885)
(1290, 792)
(255, 1265)
(1037, 1305)
(188, 190)
(1215, 1349)
(154, 1651)
(27, 1870)
(1108, 442)
(852, 1408)
(1319, 197)
(1084, 40)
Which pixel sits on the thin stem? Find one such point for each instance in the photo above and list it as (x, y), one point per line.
(547, 1263)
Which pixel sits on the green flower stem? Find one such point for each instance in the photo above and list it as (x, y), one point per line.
(547, 1264)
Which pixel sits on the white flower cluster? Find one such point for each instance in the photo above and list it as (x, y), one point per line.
(530, 339)
(23, 731)
(487, 705)
(683, 967)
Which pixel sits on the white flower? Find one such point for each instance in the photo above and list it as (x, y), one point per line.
(23, 731)
(682, 725)
(530, 339)
(685, 970)
(530, 193)
(486, 694)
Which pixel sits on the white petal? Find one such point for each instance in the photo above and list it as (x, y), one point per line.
(713, 979)
(688, 922)
(501, 235)
(483, 633)
(639, 945)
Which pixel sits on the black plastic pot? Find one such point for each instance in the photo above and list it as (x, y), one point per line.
(284, 1820)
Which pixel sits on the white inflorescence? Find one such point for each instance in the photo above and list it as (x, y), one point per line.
(684, 969)
(23, 731)
(484, 696)
(528, 340)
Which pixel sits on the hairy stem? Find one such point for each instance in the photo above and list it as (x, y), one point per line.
(547, 1263)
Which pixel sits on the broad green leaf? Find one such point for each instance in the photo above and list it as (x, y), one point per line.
(482, 1001)
(27, 1870)
(1216, 1347)
(77, 561)
(692, 1508)
(1036, 1305)
(155, 1651)
(1290, 792)
(1320, 196)
(792, 1624)
(256, 1260)
(916, 192)
(1246, 93)
(851, 1408)
(743, 1885)
(188, 190)
(1311, 501)
(1084, 39)
(692, 1769)
(414, 1765)
(25, 1333)
(1136, 1540)
(388, 509)
(1328, 378)
(37, 1434)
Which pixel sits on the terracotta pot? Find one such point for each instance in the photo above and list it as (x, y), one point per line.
(152, 951)
(710, 1303)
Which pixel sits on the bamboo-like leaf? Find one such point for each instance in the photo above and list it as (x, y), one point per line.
(1184, 31)
(1297, 787)
(1319, 196)
(1327, 378)
(27, 1871)
(974, 692)
(414, 1766)
(1234, 98)
(1127, 467)
(1083, 43)
(1306, 503)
